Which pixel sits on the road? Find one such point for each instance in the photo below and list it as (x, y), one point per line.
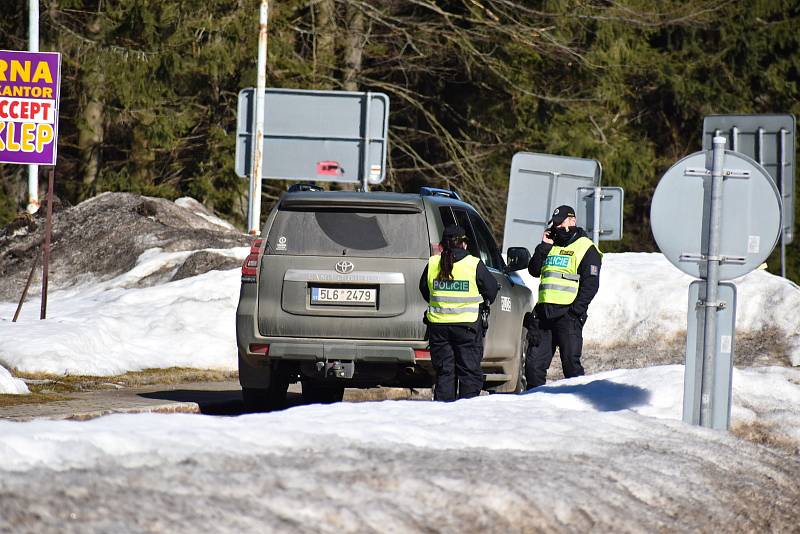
(209, 398)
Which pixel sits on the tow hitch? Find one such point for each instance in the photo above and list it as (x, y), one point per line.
(336, 369)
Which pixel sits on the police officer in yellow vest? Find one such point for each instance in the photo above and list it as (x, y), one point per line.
(568, 266)
(455, 284)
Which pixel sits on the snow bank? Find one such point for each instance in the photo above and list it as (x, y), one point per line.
(768, 398)
(111, 327)
(575, 416)
(116, 326)
(11, 385)
(643, 298)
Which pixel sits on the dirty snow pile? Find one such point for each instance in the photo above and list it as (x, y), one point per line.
(644, 299)
(113, 326)
(201, 211)
(612, 442)
(104, 237)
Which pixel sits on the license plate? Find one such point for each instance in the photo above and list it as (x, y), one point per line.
(338, 295)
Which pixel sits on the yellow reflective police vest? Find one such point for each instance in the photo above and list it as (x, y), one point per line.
(456, 300)
(559, 279)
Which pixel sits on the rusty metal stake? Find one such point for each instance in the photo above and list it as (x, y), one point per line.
(25, 291)
(46, 249)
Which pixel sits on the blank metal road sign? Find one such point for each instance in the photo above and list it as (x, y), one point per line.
(770, 141)
(750, 225)
(611, 201)
(538, 184)
(316, 135)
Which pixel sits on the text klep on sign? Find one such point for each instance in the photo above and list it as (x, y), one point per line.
(29, 85)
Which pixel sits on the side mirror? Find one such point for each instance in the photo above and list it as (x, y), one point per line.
(518, 258)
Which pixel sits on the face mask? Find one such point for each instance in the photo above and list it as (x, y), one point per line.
(562, 236)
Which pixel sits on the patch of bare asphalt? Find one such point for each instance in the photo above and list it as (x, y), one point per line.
(85, 398)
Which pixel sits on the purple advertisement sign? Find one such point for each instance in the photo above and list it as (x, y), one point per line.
(29, 92)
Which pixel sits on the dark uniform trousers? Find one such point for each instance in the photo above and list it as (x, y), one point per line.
(566, 333)
(456, 351)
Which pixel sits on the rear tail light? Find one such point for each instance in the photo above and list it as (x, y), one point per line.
(421, 354)
(250, 265)
(259, 348)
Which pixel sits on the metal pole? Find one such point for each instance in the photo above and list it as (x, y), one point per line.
(760, 151)
(712, 282)
(254, 213)
(33, 46)
(735, 139)
(598, 197)
(46, 250)
(782, 174)
(25, 291)
(365, 163)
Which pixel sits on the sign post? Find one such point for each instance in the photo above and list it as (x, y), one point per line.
(33, 46)
(716, 215)
(712, 282)
(254, 211)
(29, 96)
(48, 230)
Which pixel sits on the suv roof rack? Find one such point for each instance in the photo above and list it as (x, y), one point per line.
(304, 187)
(438, 192)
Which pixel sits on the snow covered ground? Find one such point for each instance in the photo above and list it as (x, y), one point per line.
(643, 299)
(11, 385)
(602, 452)
(115, 326)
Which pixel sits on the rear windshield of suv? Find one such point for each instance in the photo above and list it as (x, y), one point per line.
(349, 232)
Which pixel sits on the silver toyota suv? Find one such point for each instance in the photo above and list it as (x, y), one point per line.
(330, 295)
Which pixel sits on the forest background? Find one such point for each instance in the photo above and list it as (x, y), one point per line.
(149, 89)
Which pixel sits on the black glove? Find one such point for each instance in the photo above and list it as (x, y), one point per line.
(484, 316)
(580, 318)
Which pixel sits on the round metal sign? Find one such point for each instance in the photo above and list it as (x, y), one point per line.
(751, 214)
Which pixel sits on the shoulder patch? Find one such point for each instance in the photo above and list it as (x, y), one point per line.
(594, 270)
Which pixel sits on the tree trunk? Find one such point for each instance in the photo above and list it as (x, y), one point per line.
(91, 126)
(142, 158)
(91, 129)
(354, 43)
(325, 46)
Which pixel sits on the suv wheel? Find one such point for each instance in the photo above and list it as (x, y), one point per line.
(266, 399)
(518, 382)
(522, 381)
(321, 393)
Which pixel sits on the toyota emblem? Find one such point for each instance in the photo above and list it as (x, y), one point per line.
(345, 267)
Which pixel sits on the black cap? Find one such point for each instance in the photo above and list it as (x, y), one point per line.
(452, 231)
(561, 213)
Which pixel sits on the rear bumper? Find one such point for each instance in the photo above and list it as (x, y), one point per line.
(319, 350)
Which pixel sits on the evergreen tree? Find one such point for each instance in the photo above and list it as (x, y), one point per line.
(149, 88)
